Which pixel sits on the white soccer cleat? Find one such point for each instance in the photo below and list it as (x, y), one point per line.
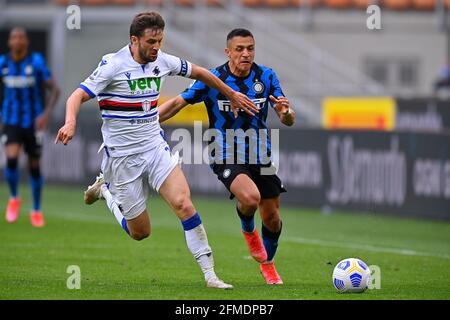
(94, 191)
(217, 283)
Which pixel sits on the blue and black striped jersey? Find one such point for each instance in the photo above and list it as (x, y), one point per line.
(248, 141)
(22, 89)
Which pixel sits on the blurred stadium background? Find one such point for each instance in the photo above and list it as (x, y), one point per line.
(372, 133)
(337, 73)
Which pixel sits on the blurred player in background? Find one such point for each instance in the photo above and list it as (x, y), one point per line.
(136, 156)
(24, 118)
(240, 175)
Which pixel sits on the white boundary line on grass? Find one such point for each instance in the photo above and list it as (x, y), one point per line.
(347, 245)
(325, 243)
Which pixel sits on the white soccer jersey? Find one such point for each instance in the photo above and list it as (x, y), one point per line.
(128, 95)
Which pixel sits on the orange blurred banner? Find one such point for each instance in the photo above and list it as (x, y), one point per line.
(373, 113)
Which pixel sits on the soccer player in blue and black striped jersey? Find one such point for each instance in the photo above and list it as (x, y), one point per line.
(25, 76)
(238, 162)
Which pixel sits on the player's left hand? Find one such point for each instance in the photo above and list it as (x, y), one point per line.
(41, 122)
(281, 104)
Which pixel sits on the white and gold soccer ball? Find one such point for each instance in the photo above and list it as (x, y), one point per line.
(351, 275)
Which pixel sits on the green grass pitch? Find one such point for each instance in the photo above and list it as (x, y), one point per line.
(413, 255)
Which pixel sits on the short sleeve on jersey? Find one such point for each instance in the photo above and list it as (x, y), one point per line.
(275, 87)
(178, 66)
(197, 92)
(100, 78)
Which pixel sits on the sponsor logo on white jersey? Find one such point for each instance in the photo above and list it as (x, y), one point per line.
(128, 93)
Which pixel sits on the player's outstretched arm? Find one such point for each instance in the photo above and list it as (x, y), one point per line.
(170, 108)
(42, 120)
(283, 110)
(237, 99)
(66, 133)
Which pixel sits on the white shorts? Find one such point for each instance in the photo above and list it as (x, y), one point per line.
(128, 178)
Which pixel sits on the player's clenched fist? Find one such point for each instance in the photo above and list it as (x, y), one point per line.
(66, 133)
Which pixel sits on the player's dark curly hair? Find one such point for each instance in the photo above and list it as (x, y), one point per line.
(146, 20)
(239, 33)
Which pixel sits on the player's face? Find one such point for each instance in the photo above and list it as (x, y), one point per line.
(18, 41)
(149, 44)
(241, 54)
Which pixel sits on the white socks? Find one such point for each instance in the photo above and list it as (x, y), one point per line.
(114, 208)
(197, 242)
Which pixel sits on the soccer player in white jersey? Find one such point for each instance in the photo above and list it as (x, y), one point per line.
(136, 156)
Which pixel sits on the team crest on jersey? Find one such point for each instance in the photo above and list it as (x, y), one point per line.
(258, 87)
(226, 173)
(146, 105)
(29, 69)
(156, 71)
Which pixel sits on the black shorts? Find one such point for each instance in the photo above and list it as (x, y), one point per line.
(23, 136)
(269, 186)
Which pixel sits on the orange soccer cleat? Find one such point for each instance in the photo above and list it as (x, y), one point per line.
(12, 210)
(255, 245)
(37, 218)
(269, 273)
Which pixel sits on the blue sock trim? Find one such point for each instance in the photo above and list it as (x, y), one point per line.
(12, 176)
(124, 225)
(270, 240)
(248, 226)
(36, 188)
(192, 222)
(271, 246)
(247, 223)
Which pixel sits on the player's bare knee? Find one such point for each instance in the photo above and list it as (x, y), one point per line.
(140, 233)
(183, 205)
(138, 236)
(272, 222)
(250, 200)
(34, 163)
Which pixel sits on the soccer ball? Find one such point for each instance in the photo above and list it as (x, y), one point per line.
(351, 275)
